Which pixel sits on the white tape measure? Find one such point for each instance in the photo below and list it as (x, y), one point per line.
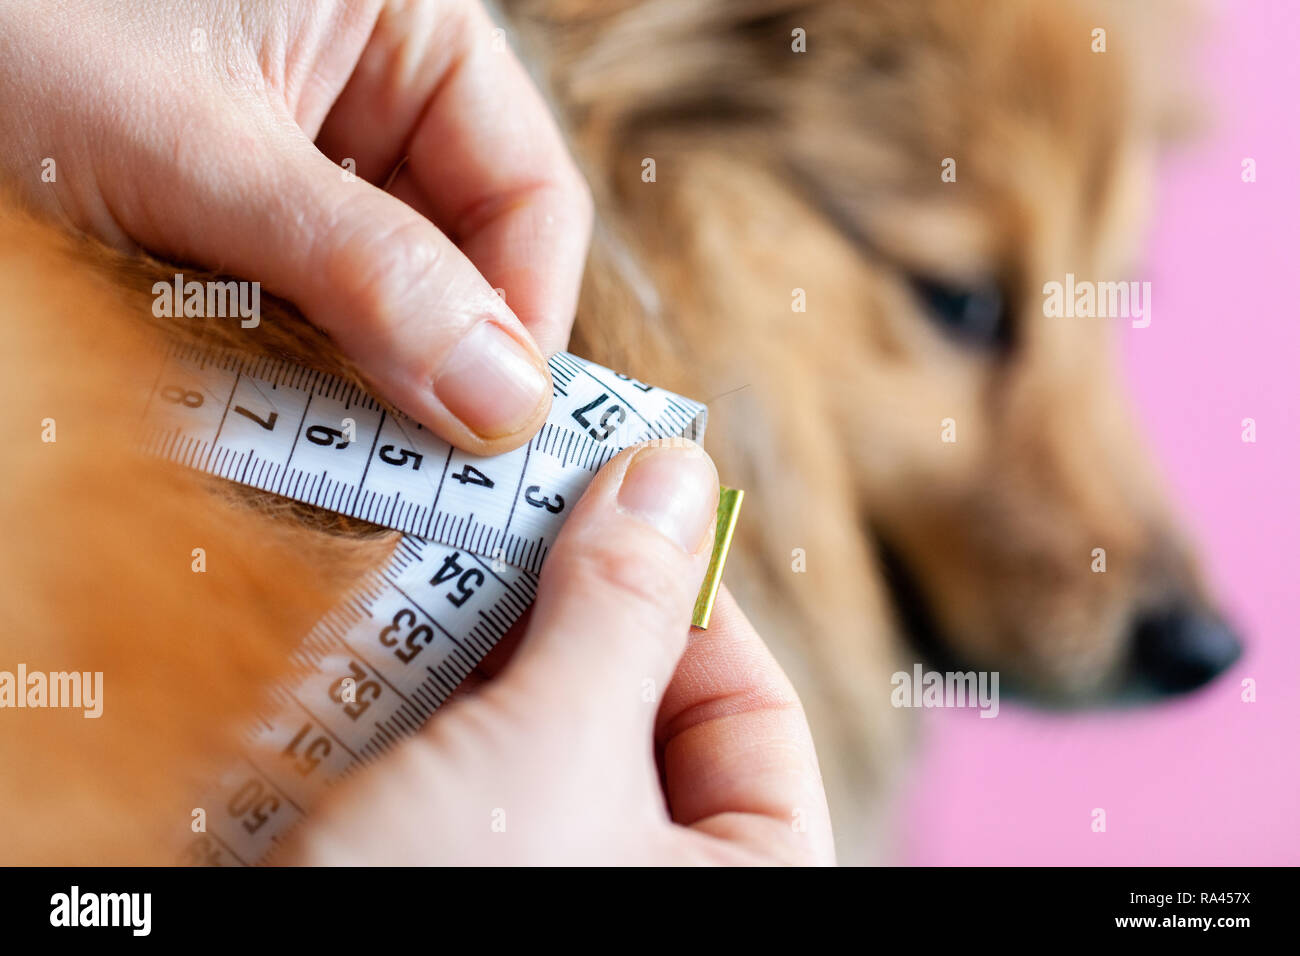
(477, 530)
(318, 439)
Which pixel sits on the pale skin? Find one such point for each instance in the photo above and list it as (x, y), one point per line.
(223, 134)
(615, 733)
(214, 132)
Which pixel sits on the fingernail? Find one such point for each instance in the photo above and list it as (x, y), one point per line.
(673, 488)
(491, 382)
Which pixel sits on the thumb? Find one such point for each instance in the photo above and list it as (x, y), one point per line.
(614, 602)
(393, 291)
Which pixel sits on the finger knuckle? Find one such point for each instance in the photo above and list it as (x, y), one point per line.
(645, 576)
(380, 268)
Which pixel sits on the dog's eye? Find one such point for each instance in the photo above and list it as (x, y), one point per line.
(973, 315)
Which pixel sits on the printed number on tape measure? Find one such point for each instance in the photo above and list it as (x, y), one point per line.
(476, 533)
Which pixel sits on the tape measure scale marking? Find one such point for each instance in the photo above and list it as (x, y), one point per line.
(377, 665)
(276, 427)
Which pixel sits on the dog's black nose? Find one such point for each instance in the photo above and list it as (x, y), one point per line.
(1181, 648)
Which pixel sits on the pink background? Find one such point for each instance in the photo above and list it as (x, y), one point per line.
(1207, 779)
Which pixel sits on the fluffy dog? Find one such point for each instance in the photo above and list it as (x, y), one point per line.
(777, 237)
(787, 179)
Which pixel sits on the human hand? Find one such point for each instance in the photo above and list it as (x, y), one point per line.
(210, 131)
(609, 737)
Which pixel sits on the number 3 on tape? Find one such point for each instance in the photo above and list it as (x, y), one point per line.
(477, 531)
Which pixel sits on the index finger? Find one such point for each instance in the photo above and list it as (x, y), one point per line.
(439, 91)
(737, 754)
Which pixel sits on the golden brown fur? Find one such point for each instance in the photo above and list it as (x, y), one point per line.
(96, 566)
(775, 171)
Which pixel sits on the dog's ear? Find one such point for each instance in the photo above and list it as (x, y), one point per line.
(1160, 40)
